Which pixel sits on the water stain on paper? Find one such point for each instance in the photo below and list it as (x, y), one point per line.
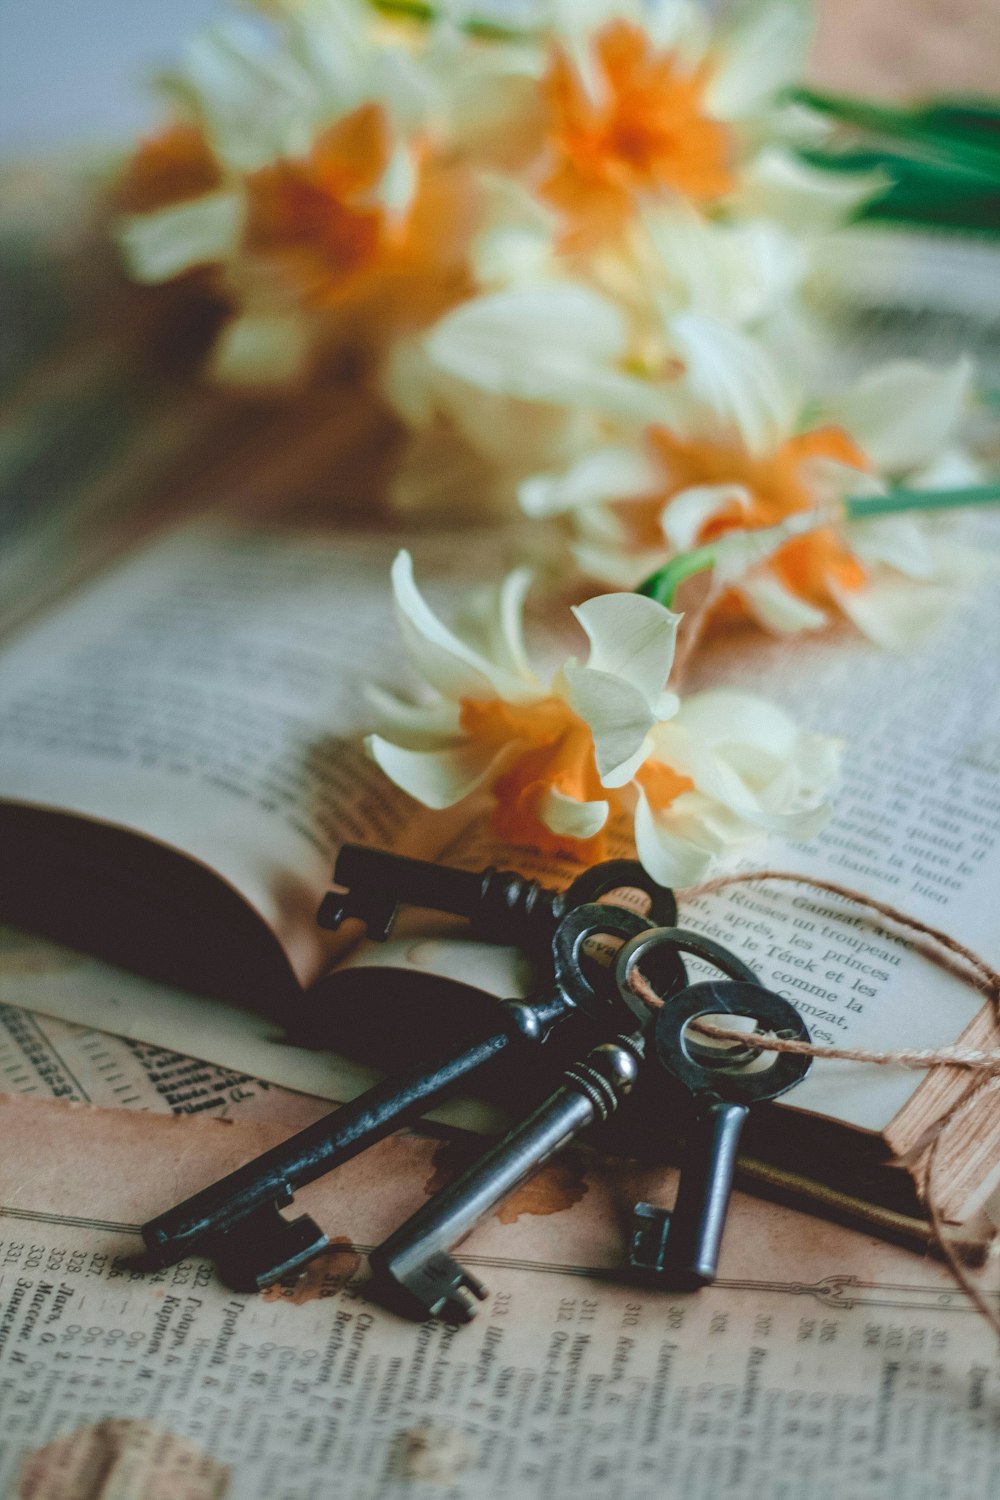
(559, 1185)
(121, 1459)
(435, 1454)
(325, 1276)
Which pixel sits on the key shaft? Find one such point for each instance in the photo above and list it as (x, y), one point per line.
(414, 1259)
(501, 905)
(219, 1219)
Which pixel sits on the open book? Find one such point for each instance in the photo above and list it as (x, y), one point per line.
(179, 763)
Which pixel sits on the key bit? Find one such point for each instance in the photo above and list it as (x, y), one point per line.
(681, 1247)
(501, 905)
(412, 1271)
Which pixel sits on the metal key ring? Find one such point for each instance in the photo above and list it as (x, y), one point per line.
(720, 997)
(654, 950)
(656, 903)
(593, 987)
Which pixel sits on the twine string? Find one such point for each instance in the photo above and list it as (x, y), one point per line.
(938, 946)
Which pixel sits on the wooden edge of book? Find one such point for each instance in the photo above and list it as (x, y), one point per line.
(968, 1158)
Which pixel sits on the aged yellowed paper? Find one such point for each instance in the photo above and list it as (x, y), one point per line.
(823, 1363)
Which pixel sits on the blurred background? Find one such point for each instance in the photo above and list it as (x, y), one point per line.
(77, 72)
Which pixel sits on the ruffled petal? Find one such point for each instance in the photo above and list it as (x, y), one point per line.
(557, 342)
(672, 860)
(762, 55)
(600, 477)
(905, 412)
(619, 718)
(778, 185)
(415, 726)
(437, 778)
(262, 350)
(893, 611)
(570, 819)
(899, 541)
(199, 232)
(776, 607)
(444, 661)
(686, 513)
(732, 378)
(632, 638)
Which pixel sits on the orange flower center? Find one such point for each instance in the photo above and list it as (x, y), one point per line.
(557, 753)
(168, 168)
(646, 131)
(317, 211)
(778, 486)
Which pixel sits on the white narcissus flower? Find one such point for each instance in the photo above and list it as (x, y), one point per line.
(737, 458)
(571, 756)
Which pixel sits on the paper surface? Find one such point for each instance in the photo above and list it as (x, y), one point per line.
(221, 1058)
(822, 1363)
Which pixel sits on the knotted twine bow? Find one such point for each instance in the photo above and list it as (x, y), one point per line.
(971, 968)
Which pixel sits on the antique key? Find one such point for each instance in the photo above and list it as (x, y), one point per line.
(238, 1221)
(501, 905)
(681, 1247)
(412, 1271)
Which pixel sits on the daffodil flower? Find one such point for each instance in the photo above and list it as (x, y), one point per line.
(736, 458)
(598, 744)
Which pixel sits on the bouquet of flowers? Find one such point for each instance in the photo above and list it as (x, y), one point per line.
(570, 245)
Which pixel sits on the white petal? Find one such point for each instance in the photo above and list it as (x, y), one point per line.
(630, 637)
(619, 718)
(780, 186)
(775, 606)
(571, 819)
(686, 513)
(557, 343)
(437, 778)
(262, 350)
(491, 621)
(202, 231)
(904, 413)
(671, 859)
(398, 183)
(444, 661)
(734, 379)
(622, 570)
(899, 541)
(894, 612)
(415, 726)
(760, 57)
(608, 474)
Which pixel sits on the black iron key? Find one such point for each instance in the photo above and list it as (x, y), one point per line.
(412, 1271)
(501, 905)
(237, 1221)
(681, 1247)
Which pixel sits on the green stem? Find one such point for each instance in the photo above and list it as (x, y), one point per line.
(861, 507)
(422, 11)
(664, 583)
(925, 130)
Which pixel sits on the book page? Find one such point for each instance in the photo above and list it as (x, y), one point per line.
(821, 1362)
(74, 1027)
(205, 695)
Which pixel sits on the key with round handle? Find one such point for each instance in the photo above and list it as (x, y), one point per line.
(500, 905)
(680, 1247)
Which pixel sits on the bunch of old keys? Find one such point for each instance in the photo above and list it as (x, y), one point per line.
(590, 940)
